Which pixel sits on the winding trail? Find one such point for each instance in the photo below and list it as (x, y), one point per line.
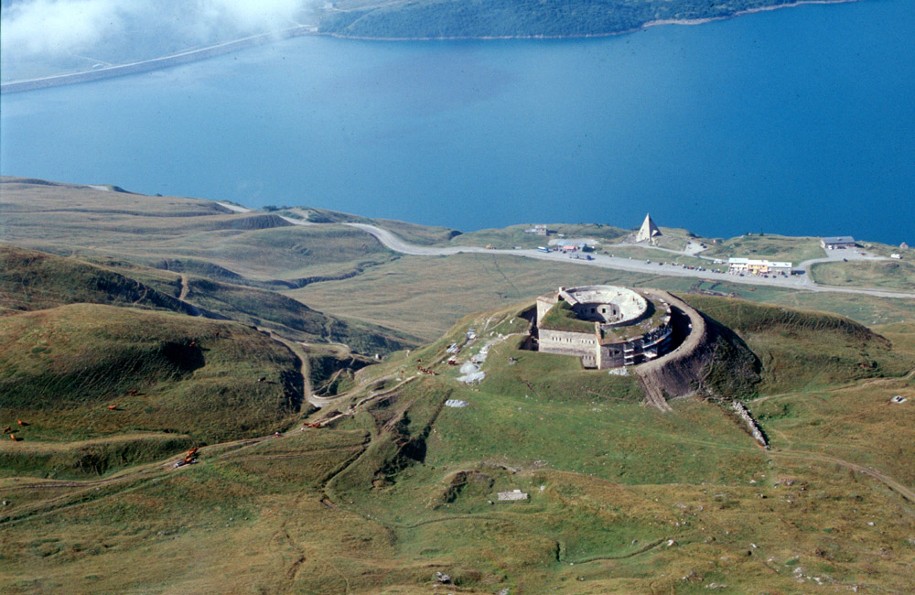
(804, 282)
(888, 481)
(299, 352)
(185, 288)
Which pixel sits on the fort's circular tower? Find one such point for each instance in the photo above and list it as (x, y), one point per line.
(605, 325)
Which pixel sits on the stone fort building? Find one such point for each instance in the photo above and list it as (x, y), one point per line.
(604, 325)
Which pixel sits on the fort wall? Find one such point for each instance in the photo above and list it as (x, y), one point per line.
(678, 373)
(568, 343)
(608, 308)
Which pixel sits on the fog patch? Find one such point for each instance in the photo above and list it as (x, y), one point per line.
(111, 31)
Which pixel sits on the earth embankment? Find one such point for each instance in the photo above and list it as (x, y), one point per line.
(697, 365)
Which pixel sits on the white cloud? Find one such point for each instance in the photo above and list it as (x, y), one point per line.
(58, 26)
(53, 28)
(263, 14)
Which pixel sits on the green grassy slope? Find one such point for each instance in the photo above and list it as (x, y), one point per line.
(32, 280)
(61, 368)
(292, 318)
(892, 274)
(802, 349)
(155, 230)
(622, 498)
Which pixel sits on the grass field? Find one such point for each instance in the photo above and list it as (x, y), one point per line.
(891, 274)
(450, 287)
(153, 230)
(767, 246)
(621, 497)
(447, 288)
(61, 368)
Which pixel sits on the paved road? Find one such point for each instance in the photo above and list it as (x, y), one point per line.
(803, 282)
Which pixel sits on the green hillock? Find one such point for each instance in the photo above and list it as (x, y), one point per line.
(89, 457)
(293, 318)
(32, 280)
(200, 268)
(801, 349)
(256, 306)
(62, 368)
(733, 371)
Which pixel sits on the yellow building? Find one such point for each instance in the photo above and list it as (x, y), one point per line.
(752, 266)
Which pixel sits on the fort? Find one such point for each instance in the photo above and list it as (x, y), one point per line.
(605, 325)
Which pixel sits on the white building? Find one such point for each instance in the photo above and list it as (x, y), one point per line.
(837, 242)
(752, 266)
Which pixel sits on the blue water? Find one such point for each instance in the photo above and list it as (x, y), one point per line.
(797, 121)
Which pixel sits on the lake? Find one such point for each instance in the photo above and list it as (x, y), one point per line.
(798, 121)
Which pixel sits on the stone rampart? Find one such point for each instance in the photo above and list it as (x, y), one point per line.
(568, 343)
(678, 373)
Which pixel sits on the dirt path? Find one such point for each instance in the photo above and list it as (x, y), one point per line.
(185, 288)
(888, 481)
(299, 351)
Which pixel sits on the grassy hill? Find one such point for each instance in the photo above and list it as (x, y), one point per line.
(154, 231)
(620, 497)
(804, 350)
(62, 367)
(33, 280)
(397, 484)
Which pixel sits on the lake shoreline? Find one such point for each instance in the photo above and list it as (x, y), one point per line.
(196, 55)
(644, 26)
(153, 64)
(795, 122)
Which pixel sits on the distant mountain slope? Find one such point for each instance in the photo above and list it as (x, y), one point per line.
(147, 251)
(431, 19)
(33, 280)
(292, 318)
